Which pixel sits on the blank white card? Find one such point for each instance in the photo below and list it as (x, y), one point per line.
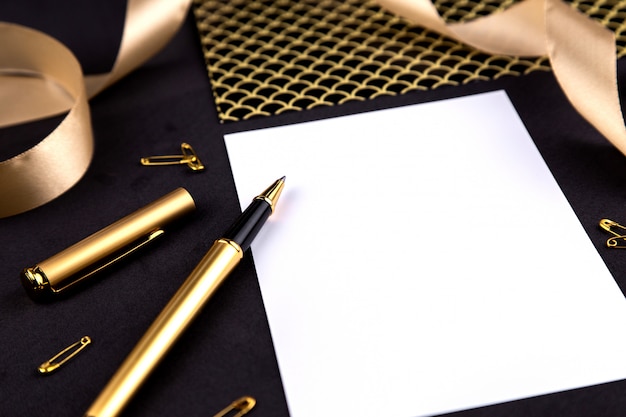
(424, 260)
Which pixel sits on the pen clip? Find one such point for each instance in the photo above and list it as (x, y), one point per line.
(618, 240)
(126, 252)
(188, 157)
(52, 365)
(243, 405)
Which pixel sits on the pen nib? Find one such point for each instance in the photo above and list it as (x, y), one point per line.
(272, 193)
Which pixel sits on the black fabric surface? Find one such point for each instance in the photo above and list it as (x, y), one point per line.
(227, 352)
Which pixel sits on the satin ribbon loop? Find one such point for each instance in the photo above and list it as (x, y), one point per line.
(39, 77)
(581, 51)
(38, 69)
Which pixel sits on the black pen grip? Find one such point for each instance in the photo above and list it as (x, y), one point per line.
(246, 227)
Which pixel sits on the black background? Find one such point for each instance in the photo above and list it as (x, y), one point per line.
(227, 352)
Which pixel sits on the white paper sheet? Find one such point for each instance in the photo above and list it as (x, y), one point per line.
(423, 260)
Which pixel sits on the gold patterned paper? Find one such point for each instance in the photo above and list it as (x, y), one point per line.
(269, 57)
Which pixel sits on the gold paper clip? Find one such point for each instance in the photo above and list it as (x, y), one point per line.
(189, 157)
(52, 365)
(243, 405)
(619, 237)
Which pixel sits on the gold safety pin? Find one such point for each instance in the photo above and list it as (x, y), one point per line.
(243, 405)
(52, 365)
(619, 238)
(189, 157)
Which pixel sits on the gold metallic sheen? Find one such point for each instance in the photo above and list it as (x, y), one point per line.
(106, 246)
(40, 77)
(35, 281)
(618, 232)
(223, 256)
(272, 193)
(188, 157)
(53, 363)
(242, 405)
(299, 55)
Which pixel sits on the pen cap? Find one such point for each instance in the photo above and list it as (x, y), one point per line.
(105, 246)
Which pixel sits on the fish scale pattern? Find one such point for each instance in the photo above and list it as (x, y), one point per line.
(267, 57)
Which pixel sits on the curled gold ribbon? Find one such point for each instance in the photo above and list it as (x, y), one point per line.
(40, 77)
(57, 162)
(581, 51)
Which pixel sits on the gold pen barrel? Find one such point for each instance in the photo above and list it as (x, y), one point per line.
(70, 265)
(186, 303)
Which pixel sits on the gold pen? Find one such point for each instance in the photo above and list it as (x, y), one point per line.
(186, 303)
(105, 247)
